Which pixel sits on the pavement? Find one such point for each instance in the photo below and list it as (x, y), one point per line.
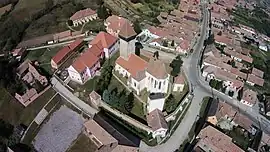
(181, 133)
(71, 98)
(91, 37)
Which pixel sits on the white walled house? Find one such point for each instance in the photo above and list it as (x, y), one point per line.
(108, 43)
(157, 122)
(179, 83)
(85, 67)
(155, 101)
(83, 16)
(147, 33)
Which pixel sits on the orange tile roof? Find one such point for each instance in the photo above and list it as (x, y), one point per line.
(127, 30)
(133, 65)
(82, 13)
(104, 39)
(96, 50)
(67, 50)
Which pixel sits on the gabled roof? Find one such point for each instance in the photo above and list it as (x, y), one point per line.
(104, 39)
(66, 50)
(180, 79)
(156, 120)
(82, 13)
(257, 72)
(217, 141)
(254, 79)
(133, 65)
(87, 59)
(116, 22)
(250, 96)
(157, 69)
(101, 134)
(127, 31)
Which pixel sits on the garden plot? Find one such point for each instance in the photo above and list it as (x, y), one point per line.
(59, 132)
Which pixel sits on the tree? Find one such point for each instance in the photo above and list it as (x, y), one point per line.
(218, 85)
(170, 104)
(79, 6)
(137, 27)
(172, 43)
(176, 66)
(213, 83)
(156, 55)
(240, 94)
(3, 146)
(130, 102)
(106, 96)
(165, 43)
(102, 12)
(6, 129)
(230, 93)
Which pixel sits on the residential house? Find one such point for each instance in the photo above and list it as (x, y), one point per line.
(30, 75)
(114, 24)
(257, 72)
(100, 137)
(238, 56)
(154, 32)
(67, 51)
(155, 101)
(83, 16)
(223, 40)
(252, 80)
(211, 139)
(157, 122)
(179, 83)
(249, 97)
(28, 97)
(108, 43)
(184, 47)
(86, 66)
(248, 29)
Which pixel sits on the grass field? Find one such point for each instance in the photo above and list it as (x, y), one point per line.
(13, 112)
(82, 144)
(43, 56)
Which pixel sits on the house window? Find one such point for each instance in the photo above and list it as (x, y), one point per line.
(155, 84)
(134, 84)
(111, 144)
(159, 87)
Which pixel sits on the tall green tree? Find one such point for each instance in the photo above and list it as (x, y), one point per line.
(130, 102)
(6, 129)
(137, 27)
(170, 104)
(102, 12)
(176, 66)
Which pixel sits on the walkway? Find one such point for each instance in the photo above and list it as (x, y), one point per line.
(64, 92)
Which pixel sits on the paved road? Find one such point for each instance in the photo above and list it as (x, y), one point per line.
(59, 44)
(181, 133)
(64, 92)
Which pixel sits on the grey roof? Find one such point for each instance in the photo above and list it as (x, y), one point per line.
(154, 96)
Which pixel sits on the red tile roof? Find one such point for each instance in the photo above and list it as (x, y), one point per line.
(82, 13)
(157, 69)
(104, 39)
(156, 120)
(254, 79)
(115, 22)
(217, 141)
(238, 55)
(127, 30)
(239, 73)
(67, 50)
(257, 72)
(180, 79)
(223, 39)
(133, 65)
(158, 31)
(96, 50)
(87, 59)
(184, 44)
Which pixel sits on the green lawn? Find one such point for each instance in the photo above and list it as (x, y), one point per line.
(138, 109)
(53, 102)
(43, 56)
(82, 144)
(31, 133)
(13, 112)
(240, 138)
(94, 26)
